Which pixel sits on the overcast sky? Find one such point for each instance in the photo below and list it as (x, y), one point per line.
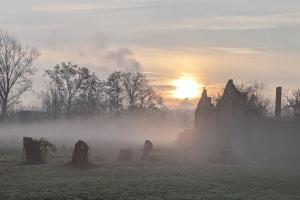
(211, 40)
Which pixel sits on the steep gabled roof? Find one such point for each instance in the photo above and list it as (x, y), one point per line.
(231, 95)
(204, 105)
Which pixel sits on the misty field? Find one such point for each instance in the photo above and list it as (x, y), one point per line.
(167, 178)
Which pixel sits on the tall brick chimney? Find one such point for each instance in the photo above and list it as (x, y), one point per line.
(278, 102)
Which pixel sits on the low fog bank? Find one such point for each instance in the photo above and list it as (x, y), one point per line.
(122, 131)
(265, 143)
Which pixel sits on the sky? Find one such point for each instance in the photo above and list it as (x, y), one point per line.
(209, 41)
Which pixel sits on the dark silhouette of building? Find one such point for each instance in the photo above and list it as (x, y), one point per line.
(204, 110)
(235, 131)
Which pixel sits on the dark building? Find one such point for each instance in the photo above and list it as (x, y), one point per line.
(204, 110)
(205, 122)
(236, 131)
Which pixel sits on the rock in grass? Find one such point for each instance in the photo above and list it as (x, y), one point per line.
(125, 155)
(80, 157)
(148, 148)
(33, 151)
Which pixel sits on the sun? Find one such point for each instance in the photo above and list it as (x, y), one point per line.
(185, 88)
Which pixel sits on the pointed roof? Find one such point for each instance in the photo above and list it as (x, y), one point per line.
(203, 97)
(231, 88)
(231, 95)
(204, 104)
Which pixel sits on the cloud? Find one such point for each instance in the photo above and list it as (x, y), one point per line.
(65, 7)
(237, 50)
(238, 22)
(85, 6)
(95, 52)
(122, 57)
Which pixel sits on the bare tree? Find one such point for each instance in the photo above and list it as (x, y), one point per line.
(16, 67)
(75, 89)
(134, 84)
(216, 98)
(253, 94)
(114, 91)
(149, 100)
(139, 95)
(92, 97)
(131, 91)
(68, 80)
(52, 101)
(294, 102)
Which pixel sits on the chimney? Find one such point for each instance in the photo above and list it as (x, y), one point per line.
(278, 102)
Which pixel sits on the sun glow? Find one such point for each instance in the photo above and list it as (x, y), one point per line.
(185, 88)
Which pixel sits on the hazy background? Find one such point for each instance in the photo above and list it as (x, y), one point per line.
(211, 40)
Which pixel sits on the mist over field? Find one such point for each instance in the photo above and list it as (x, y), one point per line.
(149, 100)
(125, 130)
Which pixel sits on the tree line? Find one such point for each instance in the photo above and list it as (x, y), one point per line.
(71, 89)
(75, 90)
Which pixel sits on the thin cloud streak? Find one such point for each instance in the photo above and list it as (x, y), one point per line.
(76, 6)
(239, 22)
(237, 50)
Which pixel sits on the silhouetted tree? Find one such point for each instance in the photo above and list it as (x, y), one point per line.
(217, 97)
(150, 100)
(294, 102)
(114, 91)
(75, 89)
(67, 80)
(16, 67)
(253, 94)
(51, 100)
(92, 97)
(139, 95)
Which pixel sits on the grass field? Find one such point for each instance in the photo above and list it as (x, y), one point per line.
(167, 178)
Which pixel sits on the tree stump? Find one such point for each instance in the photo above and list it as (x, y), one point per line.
(33, 152)
(125, 155)
(80, 154)
(148, 148)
